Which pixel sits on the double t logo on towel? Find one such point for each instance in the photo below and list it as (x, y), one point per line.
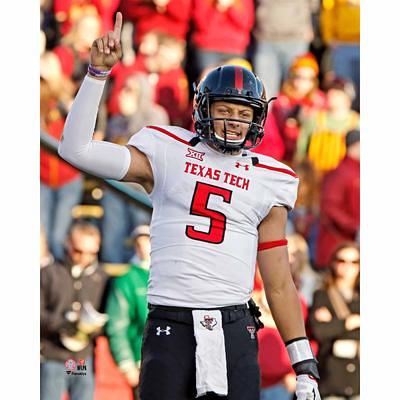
(252, 330)
(209, 322)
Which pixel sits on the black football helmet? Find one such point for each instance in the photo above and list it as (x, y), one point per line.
(233, 84)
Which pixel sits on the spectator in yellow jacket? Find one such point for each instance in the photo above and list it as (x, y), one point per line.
(322, 136)
(340, 30)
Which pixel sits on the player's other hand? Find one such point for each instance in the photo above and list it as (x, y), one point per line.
(106, 51)
(307, 388)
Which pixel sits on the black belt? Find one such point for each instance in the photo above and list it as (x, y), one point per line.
(184, 314)
(188, 309)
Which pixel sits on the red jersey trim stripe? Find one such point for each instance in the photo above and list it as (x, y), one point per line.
(285, 171)
(272, 244)
(162, 130)
(238, 78)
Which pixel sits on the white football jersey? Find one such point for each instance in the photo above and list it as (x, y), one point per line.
(206, 209)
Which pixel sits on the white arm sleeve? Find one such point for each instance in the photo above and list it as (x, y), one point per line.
(103, 159)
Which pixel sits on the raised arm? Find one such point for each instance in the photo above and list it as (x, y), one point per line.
(284, 301)
(103, 159)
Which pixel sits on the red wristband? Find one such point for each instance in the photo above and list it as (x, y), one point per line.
(270, 245)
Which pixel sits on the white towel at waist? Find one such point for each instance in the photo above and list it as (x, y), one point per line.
(211, 374)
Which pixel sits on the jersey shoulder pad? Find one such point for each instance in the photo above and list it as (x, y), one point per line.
(281, 178)
(172, 133)
(270, 164)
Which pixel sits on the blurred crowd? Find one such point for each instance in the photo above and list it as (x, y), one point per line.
(307, 53)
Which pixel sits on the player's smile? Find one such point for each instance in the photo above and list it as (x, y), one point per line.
(233, 135)
(226, 125)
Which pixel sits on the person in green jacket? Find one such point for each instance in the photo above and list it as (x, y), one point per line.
(127, 309)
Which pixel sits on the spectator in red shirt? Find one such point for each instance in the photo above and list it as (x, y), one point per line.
(73, 53)
(68, 11)
(61, 185)
(161, 57)
(340, 203)
(74, 49)
(298, 99)
(221, 30)
(172, 88)
(167, 16)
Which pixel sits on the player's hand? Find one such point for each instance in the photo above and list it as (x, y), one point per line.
(107, 51)
(322, 314)
(307, 388)
(352, 322)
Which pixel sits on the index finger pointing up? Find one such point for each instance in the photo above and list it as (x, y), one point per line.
(118, 26)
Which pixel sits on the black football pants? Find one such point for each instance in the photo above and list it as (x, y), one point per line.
(168, 369)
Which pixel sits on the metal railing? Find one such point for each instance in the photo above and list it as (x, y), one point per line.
(128, 191)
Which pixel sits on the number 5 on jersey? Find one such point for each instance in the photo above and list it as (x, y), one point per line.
(216, 232)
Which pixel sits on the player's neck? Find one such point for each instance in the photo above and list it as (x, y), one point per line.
(229, 153)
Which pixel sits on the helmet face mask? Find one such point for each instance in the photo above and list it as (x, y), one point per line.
(236, 85)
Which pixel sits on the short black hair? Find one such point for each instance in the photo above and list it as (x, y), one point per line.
(352, 137)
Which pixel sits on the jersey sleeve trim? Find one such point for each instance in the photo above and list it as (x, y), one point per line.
(162, 130)
(285, 171)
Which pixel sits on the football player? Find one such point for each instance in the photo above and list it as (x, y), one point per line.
(217, 208)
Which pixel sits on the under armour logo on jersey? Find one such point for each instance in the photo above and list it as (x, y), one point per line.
(252, 330)
(197, 155)
(245, 166)
(209, 322)
(160, 331)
